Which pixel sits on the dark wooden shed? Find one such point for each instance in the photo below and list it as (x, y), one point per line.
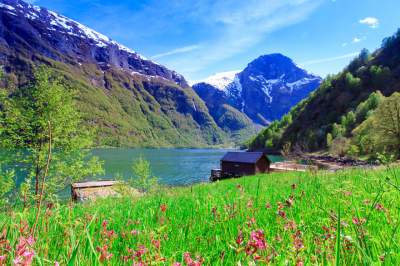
(235, 164)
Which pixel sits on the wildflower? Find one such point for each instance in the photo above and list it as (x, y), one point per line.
(156, 243)
(297, 241)
(280, 206)
(251, 221)
(2, 259)
(366, 201)
(163, 207)
(104, 254)
(289, 202)
(24, 252)
(258, 240)
(290, 225)
(268, 205)
(293, 186)
(104, 224)
(190, 262)
(379, 207)
(134, 232)
(299, 262)
(239, 238)
(347, 193)
(282, 214)
(358, 221)
(214, 211)
(250, 204)
(56, 263)
(177, 264)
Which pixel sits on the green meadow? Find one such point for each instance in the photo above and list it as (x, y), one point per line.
(350, 217)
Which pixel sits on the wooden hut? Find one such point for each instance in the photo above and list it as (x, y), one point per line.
(236, 164)
(94, 189)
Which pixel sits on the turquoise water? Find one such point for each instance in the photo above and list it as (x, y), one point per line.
(171, 166)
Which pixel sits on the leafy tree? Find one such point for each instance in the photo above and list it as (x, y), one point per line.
(329, 140)
(381, 131)
(39, 120)
(143, 180)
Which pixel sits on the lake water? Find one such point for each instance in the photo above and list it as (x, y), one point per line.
(171, 166)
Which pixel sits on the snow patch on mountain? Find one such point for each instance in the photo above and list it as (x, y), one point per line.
(61, 23)
(222, 80)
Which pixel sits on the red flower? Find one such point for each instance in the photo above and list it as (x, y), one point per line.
(268, 205)
(163, 207)
(239, 238)
(282, 214)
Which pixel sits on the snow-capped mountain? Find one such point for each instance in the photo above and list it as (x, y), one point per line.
(129, 99)
(264, 91)
(70, 38)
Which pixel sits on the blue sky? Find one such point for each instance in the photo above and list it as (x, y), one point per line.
(200, 38)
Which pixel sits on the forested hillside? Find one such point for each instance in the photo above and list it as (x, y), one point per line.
(332, 114)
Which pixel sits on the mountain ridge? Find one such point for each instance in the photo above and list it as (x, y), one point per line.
(131, 100)
(264, 91)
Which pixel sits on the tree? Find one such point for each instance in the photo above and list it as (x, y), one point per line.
(381, 131)
(40, 114)
(387, 122)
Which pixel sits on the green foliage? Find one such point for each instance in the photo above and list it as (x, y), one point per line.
(7, 184)
(143, 180)
(28, 116)
(329, 140)
(342, 102)
(217, 221)
(380, 133)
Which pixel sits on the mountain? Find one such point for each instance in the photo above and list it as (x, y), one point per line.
(129, 99)
(339, 105)
(264, 91)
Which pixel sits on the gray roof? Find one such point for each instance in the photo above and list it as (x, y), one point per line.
(243, 157)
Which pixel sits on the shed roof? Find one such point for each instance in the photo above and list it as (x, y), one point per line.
(243, 157)
(92, 184)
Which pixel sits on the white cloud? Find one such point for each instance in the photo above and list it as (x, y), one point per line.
(356, 40)
(180, 50)
(329, 59)
(372, 22)
(344, 44)
(240, 25)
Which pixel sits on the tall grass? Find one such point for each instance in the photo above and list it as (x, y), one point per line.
(344, 218)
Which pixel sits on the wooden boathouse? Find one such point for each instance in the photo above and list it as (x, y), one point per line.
(237, 164)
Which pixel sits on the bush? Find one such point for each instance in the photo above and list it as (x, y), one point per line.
(143, 180)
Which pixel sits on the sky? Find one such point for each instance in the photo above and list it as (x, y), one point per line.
(204, 37)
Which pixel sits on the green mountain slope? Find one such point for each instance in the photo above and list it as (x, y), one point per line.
(309, 122)
(127, 99)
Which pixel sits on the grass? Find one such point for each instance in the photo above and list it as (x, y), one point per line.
(344, 218)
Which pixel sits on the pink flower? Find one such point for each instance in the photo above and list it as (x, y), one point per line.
(177, 264)
(379, 207)
(2, 259)
(134, 232)
(56, 263)
(156, 243)
(258, 239)
(358, 221)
